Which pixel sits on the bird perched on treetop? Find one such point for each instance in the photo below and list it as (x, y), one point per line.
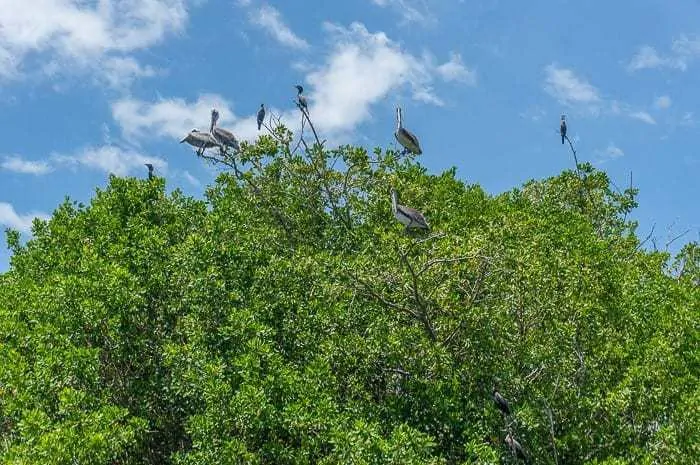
(406, 138)
(200, 140)
(222, 136)
(562, 128)
(301, 99)
(516, 448)
(261, 115)
(150, 170)
(409, 217)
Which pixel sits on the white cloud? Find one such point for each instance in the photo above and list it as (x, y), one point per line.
(362, 69)
(75, 35)
(23, 223)
(120, 72)
(191, 179)
(642, 116)
(270, 19)
(663, 102)
(110, 159)
(409, 13)
(613, 151)
(19, 165)
(454, 70)
(684, 50)
(569, 89)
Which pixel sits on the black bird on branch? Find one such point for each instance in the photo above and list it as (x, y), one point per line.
(261, 115)
(301, 99)
(501, 402)
(150, 170)
(562, 128)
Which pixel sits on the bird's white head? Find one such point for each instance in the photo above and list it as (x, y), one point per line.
(394, 199)
(398, 116)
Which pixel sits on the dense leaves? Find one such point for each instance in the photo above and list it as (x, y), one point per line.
(289, 319)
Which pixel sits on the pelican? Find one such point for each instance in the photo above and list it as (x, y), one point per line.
(302, 99)
(501, 402)
(516, 448)
(406, 137)
(150, 170)
(562, 128)
(261, 115)
(222, 136)
(408, 216)
(200, 140)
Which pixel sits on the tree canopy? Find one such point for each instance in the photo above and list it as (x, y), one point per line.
(288, 318)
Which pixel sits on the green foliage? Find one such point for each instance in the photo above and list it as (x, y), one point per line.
(289, 319)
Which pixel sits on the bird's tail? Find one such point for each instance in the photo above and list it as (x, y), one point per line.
(562, 140)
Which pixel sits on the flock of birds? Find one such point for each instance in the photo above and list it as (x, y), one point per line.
(224, 139)
(411, 218)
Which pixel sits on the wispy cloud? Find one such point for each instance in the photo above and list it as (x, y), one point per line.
(663, 102)
(18, 164)
(575, 92)
(642, 116)
(569, 89)
(454, 70)
(611, 152)
(21, 222)
(684, 50)
(109, 159)
(407, 9)
(270, 19)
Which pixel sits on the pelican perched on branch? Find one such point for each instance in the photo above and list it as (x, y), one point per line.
(301, 99)
(222, 136)
(200, 140)
(261, 115)
(516, 448)
(562, 128)
(408, 216)
(405, 137)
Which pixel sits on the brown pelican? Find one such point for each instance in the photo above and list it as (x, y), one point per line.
(200, 140)
(516, 448)
(405, 137)
(222, 136)
(150, 170)
(501, 402)
(562, 128)
(409, 217)
(302, 99)
(261, 115)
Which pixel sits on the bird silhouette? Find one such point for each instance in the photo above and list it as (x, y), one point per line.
(261, 115)
(516, 448)
(562, 128)
(501, 402)
(150, 170)
(301, 99)
(406, 138)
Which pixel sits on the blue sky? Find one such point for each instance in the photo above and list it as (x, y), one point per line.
(91, 87)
